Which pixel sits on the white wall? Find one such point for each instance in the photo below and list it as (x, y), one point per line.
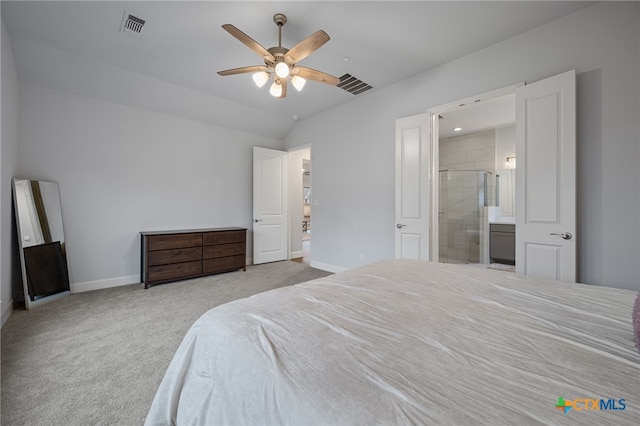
(124, 170)
(60, 70)
(505, 146)
(353, 145)
(8, 161)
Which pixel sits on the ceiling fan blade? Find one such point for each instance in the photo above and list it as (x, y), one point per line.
(249, 42)
(306, 47)
(312, 74)
(283, 83)
(243, 70)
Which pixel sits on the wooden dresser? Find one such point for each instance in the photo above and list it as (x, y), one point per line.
(167, 256)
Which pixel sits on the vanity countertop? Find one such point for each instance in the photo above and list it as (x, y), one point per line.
(503, 221)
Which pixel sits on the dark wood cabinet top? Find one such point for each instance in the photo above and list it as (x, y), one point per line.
(187, 231)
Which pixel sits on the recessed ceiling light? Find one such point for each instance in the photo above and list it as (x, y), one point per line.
(457, 129)
(346, 59)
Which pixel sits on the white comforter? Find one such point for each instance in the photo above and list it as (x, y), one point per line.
(402, 342)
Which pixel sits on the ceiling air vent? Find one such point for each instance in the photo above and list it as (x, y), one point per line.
(132, 25)
(353, 84)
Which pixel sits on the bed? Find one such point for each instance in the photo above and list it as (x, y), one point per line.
(409, 342)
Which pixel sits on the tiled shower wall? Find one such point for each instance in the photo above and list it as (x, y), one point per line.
(473, 151)
(461, 215)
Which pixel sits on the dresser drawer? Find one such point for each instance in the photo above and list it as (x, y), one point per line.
(224, 237)
(165, 242)
(175, 270)
(223, 250)
(223, 264)
(162, 257)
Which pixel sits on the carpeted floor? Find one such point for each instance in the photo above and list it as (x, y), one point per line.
(97, 358)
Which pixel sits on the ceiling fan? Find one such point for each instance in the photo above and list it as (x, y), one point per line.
(282, 62)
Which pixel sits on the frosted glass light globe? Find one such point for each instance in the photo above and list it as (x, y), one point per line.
(276, 89)
(298, 82)
(260, 78)
(282, 70)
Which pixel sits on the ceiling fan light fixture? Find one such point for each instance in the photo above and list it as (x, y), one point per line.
(282, 70)
(276, 89)
(280, 61)
(298, 82)
(260, 78)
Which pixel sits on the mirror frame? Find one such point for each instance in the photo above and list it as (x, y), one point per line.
(28, 302)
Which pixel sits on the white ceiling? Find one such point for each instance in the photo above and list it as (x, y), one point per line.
(488, 114)
(183, 45)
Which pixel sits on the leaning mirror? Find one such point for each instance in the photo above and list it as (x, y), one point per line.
(40, 241)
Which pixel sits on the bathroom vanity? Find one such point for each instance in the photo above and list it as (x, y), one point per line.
(502, 243)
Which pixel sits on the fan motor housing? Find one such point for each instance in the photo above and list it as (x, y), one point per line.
(278, 53)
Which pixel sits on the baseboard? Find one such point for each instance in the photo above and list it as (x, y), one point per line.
(6, 313)
(326, 267)
(101, 284)
(297, 254)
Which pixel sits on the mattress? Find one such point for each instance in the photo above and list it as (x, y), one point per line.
(409, 342)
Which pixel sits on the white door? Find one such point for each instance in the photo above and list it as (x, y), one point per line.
(269, 205)
(412, 188)
(546, 178)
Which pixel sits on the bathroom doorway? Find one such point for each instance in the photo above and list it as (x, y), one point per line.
(476, 143)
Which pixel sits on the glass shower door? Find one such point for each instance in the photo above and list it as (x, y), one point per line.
(461, 215)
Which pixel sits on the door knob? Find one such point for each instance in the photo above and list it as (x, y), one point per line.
(257, 220)
(400, 226)
(564, 235)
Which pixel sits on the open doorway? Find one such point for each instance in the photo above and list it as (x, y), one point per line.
(545, 206)
(306, 210)
(300, 204)
(474, 195)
